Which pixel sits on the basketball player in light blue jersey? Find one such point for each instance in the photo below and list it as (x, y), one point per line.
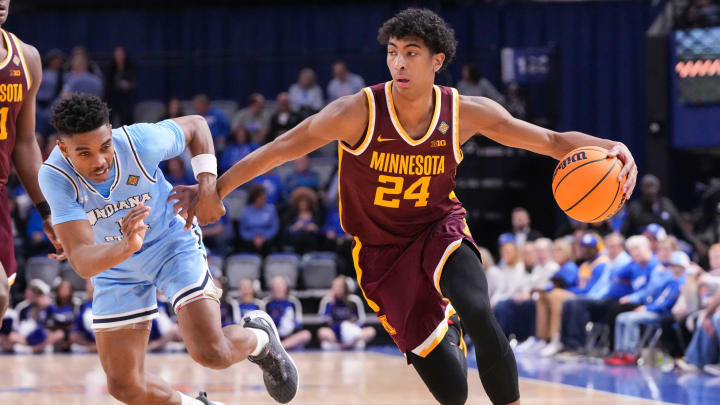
(111, 213)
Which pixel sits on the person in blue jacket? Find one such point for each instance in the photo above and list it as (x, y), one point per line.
(658, 303)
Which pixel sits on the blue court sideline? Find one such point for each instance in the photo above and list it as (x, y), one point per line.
(640, 382)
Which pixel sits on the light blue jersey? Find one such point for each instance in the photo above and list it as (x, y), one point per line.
(170, 259)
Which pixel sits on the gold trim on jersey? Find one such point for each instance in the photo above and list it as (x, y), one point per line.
(396, 122)
(340, 156)
(436, 336)
(358, 273)
(9, 49)
(457, 148)
(441, 265)
(11, 279)
(371, 126)
(28, 78)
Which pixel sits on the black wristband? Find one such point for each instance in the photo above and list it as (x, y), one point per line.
(43, 208)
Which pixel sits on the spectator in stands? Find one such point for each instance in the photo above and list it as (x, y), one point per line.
(473, 84)
(216, 120)
(509, 277)
(516, 315)
(625, 281)
(63, 313)
(176, 174)
(240, 146)
(521, 227)
(80, 79)
(282, 309)
(528, 255)
(173, 109)
(164, 328)
(548, 309)
(594, 264)
(655, 234)
(302, 229)
(302, 175)
(258, 223)
(703, 353)
(344, 315)
(545, 267)
(661, 300)
(657, 279)
(120, 87)
(344, 82)
(82, 336)
(35, 316)
(306, 97)
(248, 301)
(254, 118)
(273, 185)
(652, 208)
(49, 91)
(284, 118)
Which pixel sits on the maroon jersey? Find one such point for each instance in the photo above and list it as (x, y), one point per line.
(392, 187)
(15, 82)
(397, 200)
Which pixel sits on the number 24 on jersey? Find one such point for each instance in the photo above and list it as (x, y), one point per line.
(417, 191)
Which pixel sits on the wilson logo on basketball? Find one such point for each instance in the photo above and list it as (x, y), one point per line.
(572, 159)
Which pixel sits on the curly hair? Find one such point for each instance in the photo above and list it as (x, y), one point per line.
(424, 24)
(78, 114)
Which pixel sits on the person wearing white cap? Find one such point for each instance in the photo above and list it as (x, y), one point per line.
(656, 234)
(34, 314)
(627, 327)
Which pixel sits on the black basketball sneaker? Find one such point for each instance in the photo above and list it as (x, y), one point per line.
(279, 371)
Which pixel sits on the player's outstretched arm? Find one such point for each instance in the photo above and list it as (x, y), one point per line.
(344, 119)
(89, 259)
(482, 115)
(198, 139)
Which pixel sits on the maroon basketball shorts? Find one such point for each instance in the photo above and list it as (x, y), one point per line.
(7, 242)
(401, 283)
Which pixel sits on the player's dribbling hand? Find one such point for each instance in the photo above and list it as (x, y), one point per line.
(133, 227)
(629, 170)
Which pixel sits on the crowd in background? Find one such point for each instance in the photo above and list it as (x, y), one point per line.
(650, 268)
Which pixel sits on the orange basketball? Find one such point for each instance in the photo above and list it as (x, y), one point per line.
(585, 184)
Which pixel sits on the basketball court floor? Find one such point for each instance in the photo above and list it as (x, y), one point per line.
(379, 376)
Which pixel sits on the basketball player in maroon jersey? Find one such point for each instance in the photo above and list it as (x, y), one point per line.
(20, 75)
(415, 260)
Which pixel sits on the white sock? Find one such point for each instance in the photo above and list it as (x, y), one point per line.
(186, 400)
(262, 340)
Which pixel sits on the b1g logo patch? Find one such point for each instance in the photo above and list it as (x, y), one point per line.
(443, 127)
(132, 180)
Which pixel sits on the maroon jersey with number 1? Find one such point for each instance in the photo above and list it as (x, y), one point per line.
(397, 200)
(15, 82)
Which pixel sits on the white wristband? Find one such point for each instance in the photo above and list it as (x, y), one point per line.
(204, 163)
